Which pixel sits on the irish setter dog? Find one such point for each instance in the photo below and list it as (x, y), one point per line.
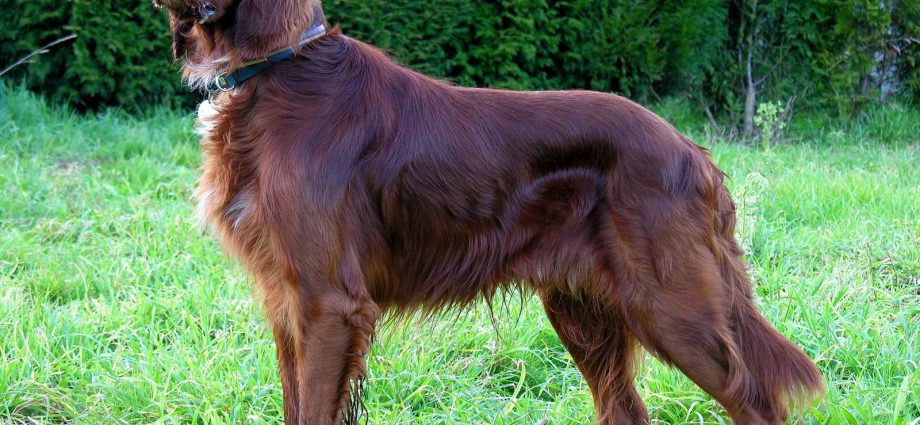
(350, 186)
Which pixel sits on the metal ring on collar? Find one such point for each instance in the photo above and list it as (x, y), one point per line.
(223, 84)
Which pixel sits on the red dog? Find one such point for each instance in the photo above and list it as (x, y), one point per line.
(350, 186)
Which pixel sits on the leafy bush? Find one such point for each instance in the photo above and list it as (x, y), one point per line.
(634, 48)
(842, 54)
(120, 57)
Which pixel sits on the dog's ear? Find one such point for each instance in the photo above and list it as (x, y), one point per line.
(263, 26)
(180, 29)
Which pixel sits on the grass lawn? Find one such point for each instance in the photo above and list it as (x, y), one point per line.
(114, 309)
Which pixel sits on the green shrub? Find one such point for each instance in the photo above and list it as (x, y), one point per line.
(120, 57)
(832, 54)
(634, 48)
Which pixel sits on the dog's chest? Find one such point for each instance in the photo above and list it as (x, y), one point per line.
(225, 201)
(209, 195)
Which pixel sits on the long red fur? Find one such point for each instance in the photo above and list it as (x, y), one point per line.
(351, 186)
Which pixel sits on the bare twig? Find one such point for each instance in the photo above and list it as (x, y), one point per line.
(712, 120)
(44, 49)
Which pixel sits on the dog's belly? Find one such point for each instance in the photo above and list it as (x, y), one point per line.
(472, 241)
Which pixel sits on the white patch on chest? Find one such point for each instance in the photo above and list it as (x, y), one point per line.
(207, 118)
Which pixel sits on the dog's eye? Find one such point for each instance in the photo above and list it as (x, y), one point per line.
(207, 10)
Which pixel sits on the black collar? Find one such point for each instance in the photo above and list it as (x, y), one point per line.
(229, 81)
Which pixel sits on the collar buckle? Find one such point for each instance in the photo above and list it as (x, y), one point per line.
(222, 83)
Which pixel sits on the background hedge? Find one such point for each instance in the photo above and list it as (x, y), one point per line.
(121, 56)
(836, 53)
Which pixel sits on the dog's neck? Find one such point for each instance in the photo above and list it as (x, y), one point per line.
(232, 79)
(201, 71)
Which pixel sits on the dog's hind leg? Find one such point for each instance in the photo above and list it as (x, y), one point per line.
(604, 350)
(684, 323)
(664, 274)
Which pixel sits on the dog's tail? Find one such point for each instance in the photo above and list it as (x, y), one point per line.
(775, 372)
(782, 374)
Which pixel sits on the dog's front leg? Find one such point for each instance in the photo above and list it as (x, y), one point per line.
(322, 332)
(287, 368)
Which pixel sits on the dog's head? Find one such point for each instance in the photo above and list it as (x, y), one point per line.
(209, 35)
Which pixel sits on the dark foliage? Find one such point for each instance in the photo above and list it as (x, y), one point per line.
(838, 54)
(121, 56)
(636, 48)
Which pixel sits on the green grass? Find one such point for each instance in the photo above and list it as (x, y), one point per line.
(114, 309)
